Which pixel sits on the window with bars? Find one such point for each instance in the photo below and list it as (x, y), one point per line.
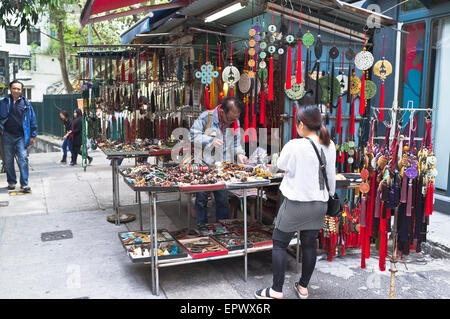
(12, 35)
(34, 36)
(27, 93)
(22, 63)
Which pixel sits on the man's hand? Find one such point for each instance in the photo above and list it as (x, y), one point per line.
(1, 132)
(217, 142)
(242, 158)
(32, 139)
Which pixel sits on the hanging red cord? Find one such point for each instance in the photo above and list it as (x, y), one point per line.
(130, 70)
(299, 53)
(289, 65)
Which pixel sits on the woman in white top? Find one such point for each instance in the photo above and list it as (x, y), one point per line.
(305, 203)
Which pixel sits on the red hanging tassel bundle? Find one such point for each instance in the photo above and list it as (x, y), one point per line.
(339, 117)
(207, 98)
(253, 122)
(262, 111)
(381, 115)
(352, 118)
(130, 71)
(382, 260)
(362, 96)
(231, 92)
(270, 93)
(122, 71)
(235, 126)
(288, 71)
(429, 199)
(246, 122)
(299, 63)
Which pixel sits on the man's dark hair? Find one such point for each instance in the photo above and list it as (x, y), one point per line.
(15, 81)
(229, 102)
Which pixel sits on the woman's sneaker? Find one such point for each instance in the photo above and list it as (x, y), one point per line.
(25, 189)
(11, 187)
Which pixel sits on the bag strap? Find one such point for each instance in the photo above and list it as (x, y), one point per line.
(322, 165)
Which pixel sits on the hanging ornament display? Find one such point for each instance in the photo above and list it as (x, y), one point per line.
(290, 40)
(297, 91)
(206, 76)
(363, 61)
(230, 74)
(382, 69)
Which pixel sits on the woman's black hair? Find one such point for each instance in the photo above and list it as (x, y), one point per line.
(65, 114)
(78, 111)
(310, 116)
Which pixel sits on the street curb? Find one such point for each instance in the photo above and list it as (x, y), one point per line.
(436, 250)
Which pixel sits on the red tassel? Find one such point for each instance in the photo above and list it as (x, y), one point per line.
(270, 96)
(207, 98)
(429, 199)
(363, 248)
(130, 71)
(362, 96)
(235, 126)
(122, 71)
(253, 123)
(246, 122)
(262, 111)
(352, 118)
(381, 115)
(382, 260)
(294, 127)
(288, 71)
(339, 117)
(299, 63)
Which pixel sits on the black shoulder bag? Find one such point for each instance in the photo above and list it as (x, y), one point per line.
(334, 204)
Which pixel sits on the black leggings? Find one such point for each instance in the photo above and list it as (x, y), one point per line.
(279, 256)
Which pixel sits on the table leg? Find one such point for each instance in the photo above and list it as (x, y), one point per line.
(152, 249)
(115, 190)
(138, 194)
(245, 233)
(189, 211)
(156, 245)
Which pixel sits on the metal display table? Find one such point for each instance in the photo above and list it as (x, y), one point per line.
(114, 157)
(156, 263)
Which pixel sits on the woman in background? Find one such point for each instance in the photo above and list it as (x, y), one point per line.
(77, 140)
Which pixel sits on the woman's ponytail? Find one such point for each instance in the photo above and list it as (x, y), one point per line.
(324, 135)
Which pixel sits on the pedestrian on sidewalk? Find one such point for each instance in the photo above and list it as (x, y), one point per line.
(305, 199)
(67, 142)
(77, 140)
(18, 130)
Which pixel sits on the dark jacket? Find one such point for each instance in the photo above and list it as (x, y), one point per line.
(29, 122)
(67, 125)
(77, 130)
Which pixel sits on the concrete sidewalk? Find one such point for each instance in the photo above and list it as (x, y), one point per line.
(94, 264)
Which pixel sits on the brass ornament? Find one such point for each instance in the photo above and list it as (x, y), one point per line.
(355, 85)
(382, 69)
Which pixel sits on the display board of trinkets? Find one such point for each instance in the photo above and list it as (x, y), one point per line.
(237, 225)
(232, 241)
(259, 238)
(203, 247)
(166, 250)
(143, 237)
(144, 146)
(211, 229)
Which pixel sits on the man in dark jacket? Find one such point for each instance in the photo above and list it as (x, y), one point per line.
(18, 129)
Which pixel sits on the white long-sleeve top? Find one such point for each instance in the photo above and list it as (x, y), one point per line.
(301, 180)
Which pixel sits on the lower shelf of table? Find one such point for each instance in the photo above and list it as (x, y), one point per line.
(233, 253)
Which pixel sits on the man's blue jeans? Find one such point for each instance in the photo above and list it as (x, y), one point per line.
(67, 144)
(15, 145)
(222, 206)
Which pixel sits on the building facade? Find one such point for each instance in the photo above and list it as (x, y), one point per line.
(23, 56)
